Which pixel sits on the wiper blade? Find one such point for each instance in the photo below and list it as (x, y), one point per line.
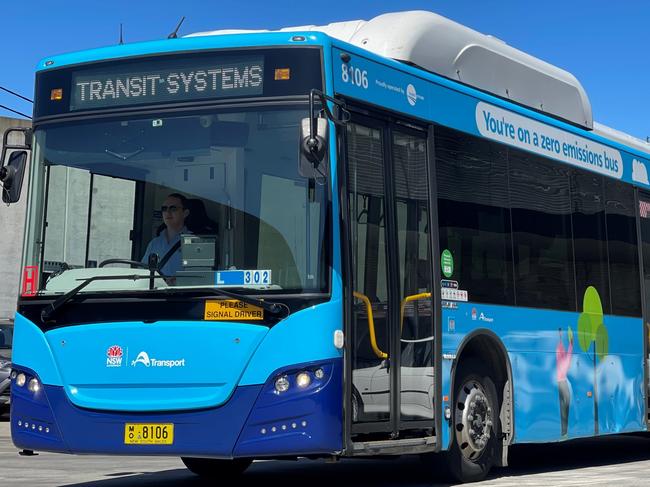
(49, 311)
(272, 307)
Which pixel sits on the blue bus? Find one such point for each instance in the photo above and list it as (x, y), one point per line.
(389, 237)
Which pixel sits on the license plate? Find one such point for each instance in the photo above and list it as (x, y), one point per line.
(149, 433)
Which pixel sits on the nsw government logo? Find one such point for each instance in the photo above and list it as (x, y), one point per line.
(114, 356)
(144, 359)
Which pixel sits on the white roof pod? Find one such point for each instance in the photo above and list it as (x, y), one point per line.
(452, 50)
(621, 137)
(442, 46)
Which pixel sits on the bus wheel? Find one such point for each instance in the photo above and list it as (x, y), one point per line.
(356, 405)
(476, 428)
(214, 468)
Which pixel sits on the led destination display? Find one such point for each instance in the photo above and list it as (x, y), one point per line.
(168, 82)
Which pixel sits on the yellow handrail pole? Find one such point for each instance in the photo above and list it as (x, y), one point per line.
(371, 325)
(405, 301)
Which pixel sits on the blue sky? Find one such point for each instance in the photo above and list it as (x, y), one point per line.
(603, 43)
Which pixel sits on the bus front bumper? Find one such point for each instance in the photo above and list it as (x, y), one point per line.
(255, 422)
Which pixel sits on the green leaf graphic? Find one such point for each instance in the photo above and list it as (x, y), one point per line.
(585, 335)
(591, 302)
(602, 342)
(591, 326)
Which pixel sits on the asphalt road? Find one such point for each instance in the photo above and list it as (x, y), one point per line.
(619, 461)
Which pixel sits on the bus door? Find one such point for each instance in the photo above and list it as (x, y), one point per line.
(644, 236)
(392, 328)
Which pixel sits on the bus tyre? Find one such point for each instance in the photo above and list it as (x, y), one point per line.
(476, 428)
(357, 405)
(215, 468)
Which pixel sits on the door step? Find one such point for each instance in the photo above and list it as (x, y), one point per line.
(394, 447)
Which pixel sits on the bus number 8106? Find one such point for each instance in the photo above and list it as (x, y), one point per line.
(354, 76)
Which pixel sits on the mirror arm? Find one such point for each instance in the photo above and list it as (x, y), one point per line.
(312, 143)
(324, 99)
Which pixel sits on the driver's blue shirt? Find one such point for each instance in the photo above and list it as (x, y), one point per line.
(160, 245)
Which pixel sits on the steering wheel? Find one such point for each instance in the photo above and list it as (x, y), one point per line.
(132, 263)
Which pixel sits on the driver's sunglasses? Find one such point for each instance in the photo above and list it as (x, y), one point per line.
(170, 209)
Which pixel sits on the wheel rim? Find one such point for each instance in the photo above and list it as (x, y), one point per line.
(473, 420)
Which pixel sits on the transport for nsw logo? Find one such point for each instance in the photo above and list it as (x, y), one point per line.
(144, 359)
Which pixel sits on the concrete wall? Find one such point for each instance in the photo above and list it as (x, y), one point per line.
(12, 221)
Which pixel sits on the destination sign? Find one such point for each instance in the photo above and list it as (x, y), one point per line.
(168, 82)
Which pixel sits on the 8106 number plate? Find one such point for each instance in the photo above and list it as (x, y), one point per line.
(149, 433)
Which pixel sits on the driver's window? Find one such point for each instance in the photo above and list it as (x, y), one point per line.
(111, 219)
(69, 239)
(67, 216)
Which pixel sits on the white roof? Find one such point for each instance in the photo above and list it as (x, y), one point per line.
(442, 46)
(621, 137)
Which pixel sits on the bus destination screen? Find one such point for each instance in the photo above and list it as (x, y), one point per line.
(174, 79)
(167, 83)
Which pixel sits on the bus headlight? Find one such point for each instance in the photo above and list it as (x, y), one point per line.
(21, 379)
(282, 384)
(303, 379)
(34, 386)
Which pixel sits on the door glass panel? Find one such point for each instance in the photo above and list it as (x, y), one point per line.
(416, 311)
(370, 372)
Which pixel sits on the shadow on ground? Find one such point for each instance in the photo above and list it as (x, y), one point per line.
(524, 460)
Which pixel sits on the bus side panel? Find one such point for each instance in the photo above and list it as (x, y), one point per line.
(445, 433)
(555, 377)
(429, 97)
(619, 377)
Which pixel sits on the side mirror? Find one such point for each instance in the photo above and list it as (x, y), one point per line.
(12, 175)
(313, 146)
(313, 133)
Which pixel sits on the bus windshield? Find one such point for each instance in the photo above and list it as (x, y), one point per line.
(217, 196)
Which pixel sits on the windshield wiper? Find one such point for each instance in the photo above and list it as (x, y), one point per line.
(49, 311)
(272, 307)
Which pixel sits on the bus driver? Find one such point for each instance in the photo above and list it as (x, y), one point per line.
(174, 212)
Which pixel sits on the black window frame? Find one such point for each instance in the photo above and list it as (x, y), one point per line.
(621, 218)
